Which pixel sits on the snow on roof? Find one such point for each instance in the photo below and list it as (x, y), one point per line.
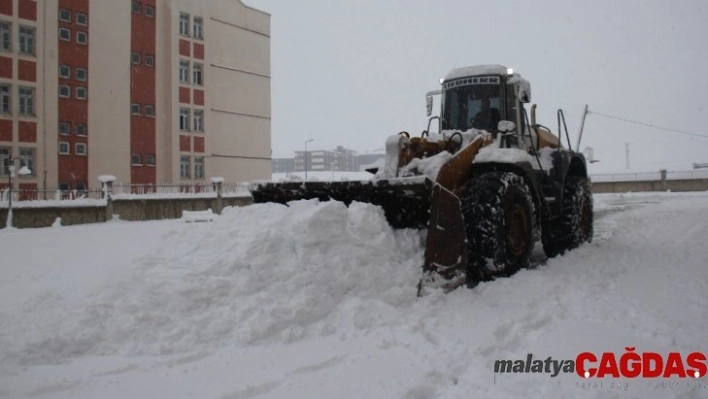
(476, 70)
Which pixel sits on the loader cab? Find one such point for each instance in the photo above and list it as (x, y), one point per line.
(479, 101)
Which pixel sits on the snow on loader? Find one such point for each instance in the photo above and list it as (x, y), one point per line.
(487, 187)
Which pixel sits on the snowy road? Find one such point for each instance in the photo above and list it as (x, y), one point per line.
(318, 300)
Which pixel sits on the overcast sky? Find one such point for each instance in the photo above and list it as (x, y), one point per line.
(353, 72)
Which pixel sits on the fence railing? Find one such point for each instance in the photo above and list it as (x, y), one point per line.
(124, 190)
(49, 194)
(167, 189)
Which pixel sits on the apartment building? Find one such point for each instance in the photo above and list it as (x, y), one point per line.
(149, 91)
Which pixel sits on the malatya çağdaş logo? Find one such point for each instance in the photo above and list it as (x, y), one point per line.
(630, 364)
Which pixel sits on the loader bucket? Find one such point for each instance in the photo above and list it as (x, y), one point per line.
(414, 202)
(405, 201)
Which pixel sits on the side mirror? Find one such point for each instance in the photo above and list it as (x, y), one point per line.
(429, 105)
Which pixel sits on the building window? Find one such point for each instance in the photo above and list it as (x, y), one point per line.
(5, 36)
(150, 11)
(64, 91)
(135, 109)
(150, 159)
(64, 71)
(64, 34)
(136, 7)
(64, 128)
(135, 159)
(64, 148)
(27, 158)
(198, 167)
(80, 148)
(81, 129)
(81, 19)
(26, 101)
(197, 27)
(81, 93)
(184, 24)
(184, 167)
(197, 74)
(149, 110)
(150, 60)
(26, 39)
(81, 74)
(5, 104)
(198, 120)
(135, 57)
(65, 15)
(5, 155)
(81, 37)
(183, 119)
(184, 71)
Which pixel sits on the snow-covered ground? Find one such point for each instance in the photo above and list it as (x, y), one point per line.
(319, 300)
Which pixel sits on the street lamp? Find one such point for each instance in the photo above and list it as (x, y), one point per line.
(305, 157)
(24, 171)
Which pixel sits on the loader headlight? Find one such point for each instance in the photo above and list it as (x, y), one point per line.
(509, 71)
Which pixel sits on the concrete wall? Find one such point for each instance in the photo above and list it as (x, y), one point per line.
(655, 185)
(45, 217)
(158, 209)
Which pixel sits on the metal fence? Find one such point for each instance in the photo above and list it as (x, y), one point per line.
(50, 194)
(166, 189)
(124, 190)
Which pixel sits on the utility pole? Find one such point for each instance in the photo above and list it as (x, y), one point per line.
(626, 155)
(305, 157)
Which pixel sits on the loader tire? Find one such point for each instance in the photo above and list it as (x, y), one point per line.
(575, 224)
(499, 221)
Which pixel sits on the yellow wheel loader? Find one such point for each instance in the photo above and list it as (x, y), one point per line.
(487, 186)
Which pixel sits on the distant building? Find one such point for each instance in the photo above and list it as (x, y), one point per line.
(338, 160)
(149, 91)
(283, 165)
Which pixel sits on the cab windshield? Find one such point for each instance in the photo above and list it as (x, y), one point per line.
(472, 103)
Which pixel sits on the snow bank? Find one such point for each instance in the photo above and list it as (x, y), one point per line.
(198, 216)
(256, 274)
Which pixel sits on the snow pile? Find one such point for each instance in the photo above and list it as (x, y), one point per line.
(262, 273)
(198, 216)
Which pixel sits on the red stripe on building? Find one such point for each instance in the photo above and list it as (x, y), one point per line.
(199, 144)
(198, 97)
(5, 130)
(27, 70)
(199, 51)
(6, 67)
(27, 8)
(27, 132)
(6, 7)
(184, 95)
(143, 91)
(73, 167)
(185, 144)
(183, 47)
